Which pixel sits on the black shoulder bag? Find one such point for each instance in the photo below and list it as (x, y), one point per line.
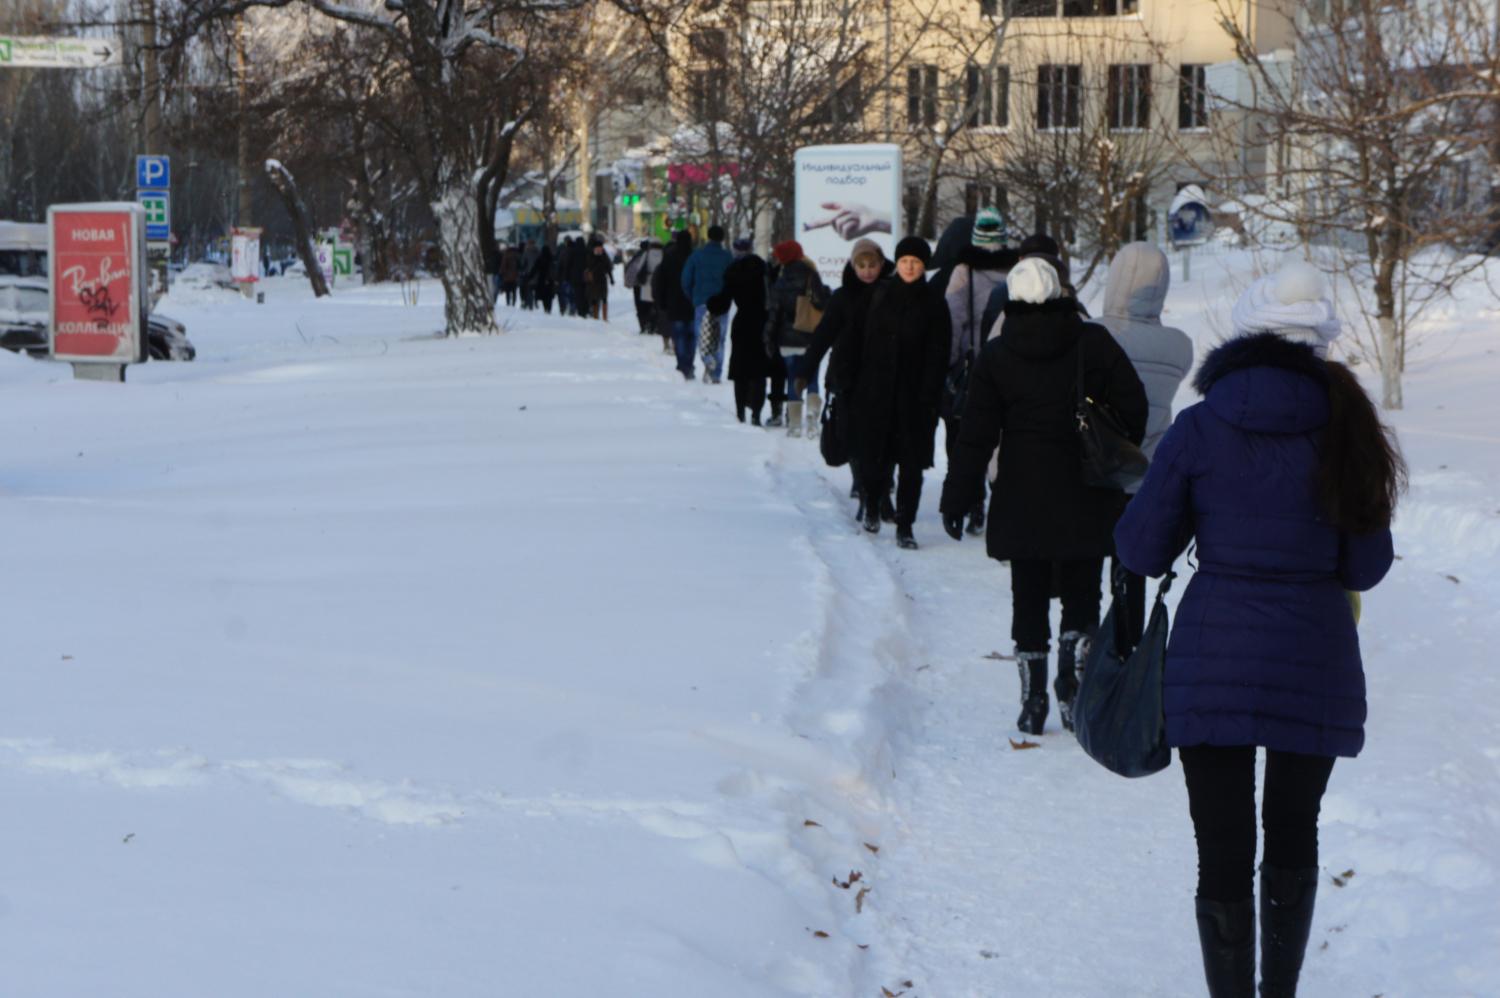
(1110, 459)
(1117, 715)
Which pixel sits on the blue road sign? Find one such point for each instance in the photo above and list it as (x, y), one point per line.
(153, 173)
(158, 215)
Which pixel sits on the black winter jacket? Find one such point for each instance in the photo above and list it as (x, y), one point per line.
(793, 280)
(844, 316)
(1021, 396)
(745, 288)
(894, 372)
(666, 286)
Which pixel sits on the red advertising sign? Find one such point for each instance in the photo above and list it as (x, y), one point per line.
(96, 273)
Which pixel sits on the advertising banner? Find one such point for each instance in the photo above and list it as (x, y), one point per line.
(844, 194)
(98, 311)
(244, 255)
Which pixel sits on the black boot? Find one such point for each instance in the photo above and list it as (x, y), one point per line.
(1066, 684)
(888, 509)
(872, 515)
(1034, 704)
(1286, 910)
(740, 414)
(859, 514)
(976, 519)
(1226, 930)
(775, 419)
(755, 418)
(904, 539)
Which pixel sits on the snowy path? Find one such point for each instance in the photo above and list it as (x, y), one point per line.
(347, 661)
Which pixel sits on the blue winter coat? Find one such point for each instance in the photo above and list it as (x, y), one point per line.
(1263, 648)
(703, 276)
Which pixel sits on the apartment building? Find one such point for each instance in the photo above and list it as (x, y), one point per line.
(1068, 115)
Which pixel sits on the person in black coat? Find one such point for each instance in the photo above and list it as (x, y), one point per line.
(540, 277)
(843, 319)
(598, 275)
(749, 366)
(674, 309)
(894, 373)
(1043, 518)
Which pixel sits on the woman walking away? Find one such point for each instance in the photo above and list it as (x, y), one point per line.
(1043, 518)
(674, 309)
(1133, 299)
(638, 272)
(510, 273)
(541, 277)
(894, 371)
(842, 321)
(1287, 481)
(598, 276)
(980, 269)
(749, 367)
(794, 305)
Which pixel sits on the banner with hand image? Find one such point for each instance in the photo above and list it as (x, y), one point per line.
(844, 194)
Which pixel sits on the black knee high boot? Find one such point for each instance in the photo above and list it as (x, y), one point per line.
(1069, 645)
(1226, 931)
(1033, 668)
(1286, 910)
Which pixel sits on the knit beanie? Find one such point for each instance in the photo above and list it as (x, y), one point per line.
(1039, 242)
(1292, 303)
(989, 229)
(865, 248)
(786, 252)
(1033, 281)
(914, 246)
(743, 244)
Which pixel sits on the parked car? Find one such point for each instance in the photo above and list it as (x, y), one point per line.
(24, 316)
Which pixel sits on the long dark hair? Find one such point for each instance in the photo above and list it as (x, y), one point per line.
(1361, 472)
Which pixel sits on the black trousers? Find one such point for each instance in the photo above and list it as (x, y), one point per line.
(908, 488)
(1221, 797)
(1031, 587)
(749, 395)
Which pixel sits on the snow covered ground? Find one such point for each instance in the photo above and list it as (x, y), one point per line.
(352, 661)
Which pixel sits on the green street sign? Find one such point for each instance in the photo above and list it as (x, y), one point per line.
(5, 50)
(343, 261)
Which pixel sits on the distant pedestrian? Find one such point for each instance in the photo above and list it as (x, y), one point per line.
(510, 274)
(598, 277)
(637, 277)
(896, 372)
(749, 365)
(702, 278)
(794, 307)
(542, 270)
(674, 309)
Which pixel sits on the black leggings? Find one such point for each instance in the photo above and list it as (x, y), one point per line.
(1221, 797)
(1031, 590)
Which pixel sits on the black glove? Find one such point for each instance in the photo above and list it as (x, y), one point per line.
(953, 523)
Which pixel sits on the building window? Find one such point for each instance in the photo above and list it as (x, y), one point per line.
(710, 45)
(845, 106)
(921, 96)
(977, 195)
(1130, 96)
(1192, 97)
(989, 8)
(987, 94)
(1059, 94)
(1072, 8)
(706, 95)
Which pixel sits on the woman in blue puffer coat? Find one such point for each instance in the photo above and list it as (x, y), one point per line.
(1287, 481)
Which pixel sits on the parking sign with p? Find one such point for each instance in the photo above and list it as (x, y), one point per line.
(153, 173)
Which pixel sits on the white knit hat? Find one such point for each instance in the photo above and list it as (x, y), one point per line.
(1292, 303)
(1033, 281)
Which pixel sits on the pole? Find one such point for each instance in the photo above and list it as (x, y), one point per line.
(243, 216)
(888, 82)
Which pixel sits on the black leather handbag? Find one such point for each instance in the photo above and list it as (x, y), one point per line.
(1117, 715)
(833, 438)
(1111, 460)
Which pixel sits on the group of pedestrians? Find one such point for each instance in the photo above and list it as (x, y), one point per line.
(1283, 477)
(578, 275)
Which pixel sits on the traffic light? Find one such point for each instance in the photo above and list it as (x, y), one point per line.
(630, 200)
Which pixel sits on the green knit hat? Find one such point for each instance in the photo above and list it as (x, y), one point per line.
(989, 229)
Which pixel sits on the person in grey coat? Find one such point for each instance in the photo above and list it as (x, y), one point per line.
(1162, 356)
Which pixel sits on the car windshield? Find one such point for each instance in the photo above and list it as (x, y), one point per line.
(23, 263)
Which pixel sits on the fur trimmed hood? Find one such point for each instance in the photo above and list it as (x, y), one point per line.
(1266, 384)
(977, 258)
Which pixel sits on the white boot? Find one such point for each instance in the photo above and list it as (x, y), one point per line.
(794, 419)
(814, 409)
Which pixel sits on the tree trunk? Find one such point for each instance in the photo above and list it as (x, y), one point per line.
(467, 307)
(282, 180)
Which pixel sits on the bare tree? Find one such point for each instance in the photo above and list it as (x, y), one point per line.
(455, 57)
(1373, 145)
